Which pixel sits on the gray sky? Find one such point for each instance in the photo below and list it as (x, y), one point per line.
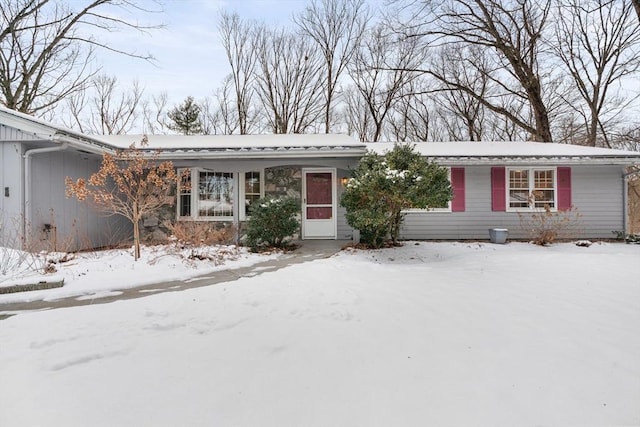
(190, 59)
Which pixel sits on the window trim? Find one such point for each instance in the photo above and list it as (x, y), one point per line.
(239, 192)
(531, 178)
(196, 196)
(242, 195)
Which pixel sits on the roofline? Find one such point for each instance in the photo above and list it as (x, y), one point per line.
(51, 132)
(525, 160)
(260, 153)
(57, 134)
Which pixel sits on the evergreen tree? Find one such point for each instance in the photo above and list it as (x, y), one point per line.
(185, 118)
(383, 186)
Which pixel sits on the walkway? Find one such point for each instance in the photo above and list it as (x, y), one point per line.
(308, 250)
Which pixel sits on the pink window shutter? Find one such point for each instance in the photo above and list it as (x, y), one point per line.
(457, 183)
(564, 188)
(498, 188)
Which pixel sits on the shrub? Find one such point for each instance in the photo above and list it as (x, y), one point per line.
(628, 238)
(195, 234)
(546, 226)
(383, 186)
(272, 222)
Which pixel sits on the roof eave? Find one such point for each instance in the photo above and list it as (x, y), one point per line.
(260, 154)
(527, 160)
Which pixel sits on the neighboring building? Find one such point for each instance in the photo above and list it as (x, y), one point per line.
(491, 181)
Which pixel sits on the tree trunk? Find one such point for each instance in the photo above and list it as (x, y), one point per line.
(136, 232)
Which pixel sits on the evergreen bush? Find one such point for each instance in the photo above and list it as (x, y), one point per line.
(272, 222)
(383, 186)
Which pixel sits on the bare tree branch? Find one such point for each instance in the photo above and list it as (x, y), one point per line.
(336, 26)
(598, 44)
(48, 48)
(289, 84)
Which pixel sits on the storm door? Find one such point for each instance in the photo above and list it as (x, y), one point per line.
(319, 204)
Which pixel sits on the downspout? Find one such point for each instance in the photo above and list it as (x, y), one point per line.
(27, 185)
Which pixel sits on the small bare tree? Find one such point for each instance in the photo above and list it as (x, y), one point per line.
(103, 108)
(154, 114)
(131, 183)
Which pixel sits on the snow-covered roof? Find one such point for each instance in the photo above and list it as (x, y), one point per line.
(245, 146)
(515, 152)
(317, 145)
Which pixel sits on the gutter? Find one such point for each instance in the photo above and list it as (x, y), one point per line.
(27, 185)
(239, 155)
(82, 145)
(533, 160)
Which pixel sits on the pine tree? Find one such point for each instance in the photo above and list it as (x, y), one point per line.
(186, 118)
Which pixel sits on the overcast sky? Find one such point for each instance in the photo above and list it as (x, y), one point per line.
(190, 59)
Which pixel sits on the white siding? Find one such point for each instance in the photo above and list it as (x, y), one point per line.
(74, 224)
(596, 193)
(11, 134)
(11, 205)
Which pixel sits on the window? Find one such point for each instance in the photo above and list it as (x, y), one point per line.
(252, 191)
(213, 197)
(184, 193)
(530, 188)
(215, 194)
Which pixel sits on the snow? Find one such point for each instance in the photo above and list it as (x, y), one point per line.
(233, 142)
(97, 274)
(429, 334)
(503, 149)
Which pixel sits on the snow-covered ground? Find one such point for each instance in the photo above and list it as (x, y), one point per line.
(103, 273)
(430, 334)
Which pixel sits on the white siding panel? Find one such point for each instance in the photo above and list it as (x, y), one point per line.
(344, 230)
(596, 193)
(11, 134)
(11, 206)
(74, 224)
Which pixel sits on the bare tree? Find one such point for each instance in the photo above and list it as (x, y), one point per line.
(240, 40)
(218, 113)
(381, 68)
(411, 119)
(598, 43)
(458, 105)
(512, 29)
(336, 27)
(103, 108)
(154, 114)
(289, 83)
(357, 115)
(47, 48)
